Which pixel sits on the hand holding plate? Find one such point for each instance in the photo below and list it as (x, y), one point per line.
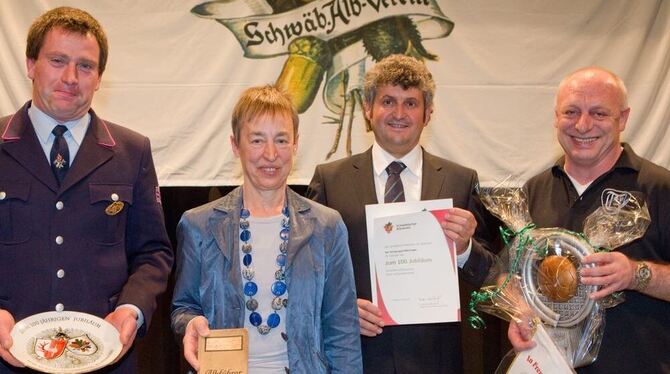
(124, 321)
(6, 326)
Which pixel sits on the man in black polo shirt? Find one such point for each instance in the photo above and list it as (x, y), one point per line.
(591, 112)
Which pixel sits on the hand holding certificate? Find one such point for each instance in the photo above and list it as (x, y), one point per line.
(413, 267)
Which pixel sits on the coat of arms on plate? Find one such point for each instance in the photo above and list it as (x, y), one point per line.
(66, 346)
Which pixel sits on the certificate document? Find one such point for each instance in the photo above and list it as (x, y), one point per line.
(413, 269)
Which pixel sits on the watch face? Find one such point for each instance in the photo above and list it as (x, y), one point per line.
(644, 272)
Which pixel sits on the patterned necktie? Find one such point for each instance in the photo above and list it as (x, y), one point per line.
(394, 191)
(60, 154)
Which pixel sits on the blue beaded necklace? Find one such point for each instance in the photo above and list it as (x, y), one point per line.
(278, 288)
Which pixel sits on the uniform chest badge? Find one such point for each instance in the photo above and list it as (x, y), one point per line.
(114, 208)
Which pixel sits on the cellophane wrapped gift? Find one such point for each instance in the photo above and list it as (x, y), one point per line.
(536, 278)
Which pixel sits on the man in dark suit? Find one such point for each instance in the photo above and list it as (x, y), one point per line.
(81, 224)
(398, 104)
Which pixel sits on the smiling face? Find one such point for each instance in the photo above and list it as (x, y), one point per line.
(398, 116)
(266, 147)
(65, 74)
(589, 118)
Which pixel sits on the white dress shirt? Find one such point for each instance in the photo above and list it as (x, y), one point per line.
(410, 177)
(43, 125)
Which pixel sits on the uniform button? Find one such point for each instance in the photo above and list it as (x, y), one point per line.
(60, 273)
(3, 195)
(59, 205)
(59, 240)
(60, 307)
(115, 197)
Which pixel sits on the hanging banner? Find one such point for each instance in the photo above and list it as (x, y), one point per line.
(177, 67)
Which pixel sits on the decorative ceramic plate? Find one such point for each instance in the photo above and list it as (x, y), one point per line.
(65, 342)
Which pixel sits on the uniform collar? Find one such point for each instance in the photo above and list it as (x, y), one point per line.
(44, 124)
(16, 125)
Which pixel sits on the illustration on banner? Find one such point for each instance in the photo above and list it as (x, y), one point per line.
(329, 40)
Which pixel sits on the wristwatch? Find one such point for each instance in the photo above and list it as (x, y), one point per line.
(642, 276)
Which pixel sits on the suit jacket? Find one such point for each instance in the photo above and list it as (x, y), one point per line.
(347, 185)
(107, 259)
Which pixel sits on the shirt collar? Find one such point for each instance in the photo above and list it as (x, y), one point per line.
(627, 160)
(43, 125)
(381, 159)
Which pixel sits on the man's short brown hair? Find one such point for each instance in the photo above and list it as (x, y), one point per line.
(400, 70)
(71, 20)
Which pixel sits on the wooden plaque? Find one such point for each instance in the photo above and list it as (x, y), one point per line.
(224, 351)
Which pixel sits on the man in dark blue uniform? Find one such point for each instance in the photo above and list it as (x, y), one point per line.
(81, 224)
